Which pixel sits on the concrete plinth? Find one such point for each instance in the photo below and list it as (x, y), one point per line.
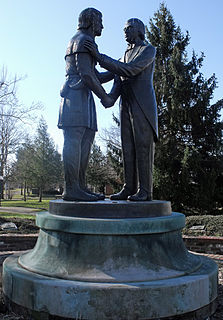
(100, 268)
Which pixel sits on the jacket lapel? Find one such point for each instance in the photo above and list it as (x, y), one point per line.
(133, 54)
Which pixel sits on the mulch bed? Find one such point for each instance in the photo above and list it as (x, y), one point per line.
(24, 225)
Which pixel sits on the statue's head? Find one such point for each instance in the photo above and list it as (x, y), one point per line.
(134, 29)
(91, 18)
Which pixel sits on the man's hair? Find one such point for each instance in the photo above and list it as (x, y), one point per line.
(140, 25)
(87, 18)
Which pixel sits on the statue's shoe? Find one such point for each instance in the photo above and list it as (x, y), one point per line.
(79, 196)
(122, 195)
(99, 196)
(141, 195)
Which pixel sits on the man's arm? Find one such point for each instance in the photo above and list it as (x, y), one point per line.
(145, 57)
(130, 69)
(116, 88)
(87, 74)
(104, 76)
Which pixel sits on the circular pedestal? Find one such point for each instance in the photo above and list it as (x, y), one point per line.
(107, 209)
(110, 250)
(116, 301)
(105, 268)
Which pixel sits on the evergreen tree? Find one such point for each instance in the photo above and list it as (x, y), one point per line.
(47, 160)
(188, 159)
(13, 119)
(24, 166)
(97, 176)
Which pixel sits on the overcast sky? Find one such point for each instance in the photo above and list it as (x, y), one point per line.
(34, 35)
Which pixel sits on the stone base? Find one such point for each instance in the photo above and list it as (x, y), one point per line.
(177, 298)
(111, 268)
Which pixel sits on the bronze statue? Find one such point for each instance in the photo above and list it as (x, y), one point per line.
(77, 115)
(138, 110)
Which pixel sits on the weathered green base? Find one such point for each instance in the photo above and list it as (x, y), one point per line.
(200, 314)
(116, 301)
(85, 268)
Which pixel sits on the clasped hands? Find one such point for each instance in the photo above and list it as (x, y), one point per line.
(107, 101)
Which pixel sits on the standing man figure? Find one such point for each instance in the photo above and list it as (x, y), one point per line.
(77, 115)
(138, 110)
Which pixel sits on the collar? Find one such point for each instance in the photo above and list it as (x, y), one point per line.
(134, 45)
(129, 47)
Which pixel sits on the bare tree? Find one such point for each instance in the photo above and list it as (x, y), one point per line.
(14, 117)
(112, 135)
(111, 138)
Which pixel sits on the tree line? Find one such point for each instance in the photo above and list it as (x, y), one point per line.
(25, 160)
(38, 163)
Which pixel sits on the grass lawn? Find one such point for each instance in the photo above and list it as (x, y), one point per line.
(30, 203)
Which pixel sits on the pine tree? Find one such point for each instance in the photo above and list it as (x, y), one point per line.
(38, 163)
(24, 166)
(189, 152)
(47, 160)
(97, 169)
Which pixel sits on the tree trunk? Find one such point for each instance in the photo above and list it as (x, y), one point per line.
(1, 189)
(24, 191)
(40, 194)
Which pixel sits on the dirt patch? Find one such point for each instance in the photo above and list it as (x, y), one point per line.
(24, 225)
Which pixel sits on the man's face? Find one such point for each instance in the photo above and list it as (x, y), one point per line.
(98, 26)
(131, 32)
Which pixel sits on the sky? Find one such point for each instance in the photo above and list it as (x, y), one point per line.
(34, 35)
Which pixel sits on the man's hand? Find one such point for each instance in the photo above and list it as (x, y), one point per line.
(107, 101)
(93, 49)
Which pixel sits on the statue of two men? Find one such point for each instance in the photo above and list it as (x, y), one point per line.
(138, 111)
